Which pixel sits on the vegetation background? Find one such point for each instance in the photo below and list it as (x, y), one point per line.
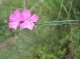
(45, 41)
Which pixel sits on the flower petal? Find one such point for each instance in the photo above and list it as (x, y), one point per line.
(16, 16)
(27, 24)
(26, 14)
(17, 13)
(12, 17)
(34, 18)
(13, 25)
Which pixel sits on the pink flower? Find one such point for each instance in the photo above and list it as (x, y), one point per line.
(23, 20)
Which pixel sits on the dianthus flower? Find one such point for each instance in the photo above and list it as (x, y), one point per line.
(22, 20)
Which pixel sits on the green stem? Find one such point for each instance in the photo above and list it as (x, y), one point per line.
(58, 22)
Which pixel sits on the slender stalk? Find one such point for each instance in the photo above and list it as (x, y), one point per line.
(59, 13)
(69, 10)
(58, 22)
(24, 4)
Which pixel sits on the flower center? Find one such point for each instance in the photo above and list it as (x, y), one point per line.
(21, 21)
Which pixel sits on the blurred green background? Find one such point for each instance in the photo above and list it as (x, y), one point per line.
(43, 42)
